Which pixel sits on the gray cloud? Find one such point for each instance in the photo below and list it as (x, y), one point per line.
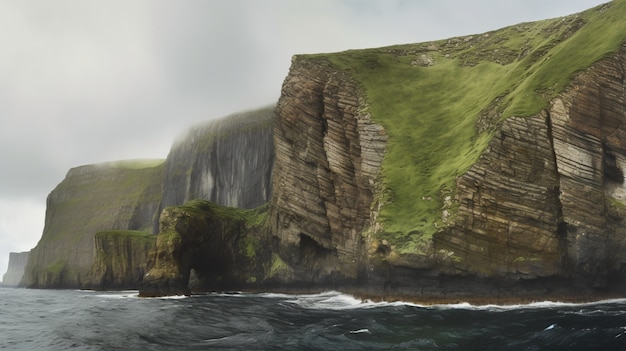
(85, 82)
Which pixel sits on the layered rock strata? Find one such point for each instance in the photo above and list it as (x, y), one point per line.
(509, 220)
(547, 197)
(589, 133)
(328, 155)
(540, 212)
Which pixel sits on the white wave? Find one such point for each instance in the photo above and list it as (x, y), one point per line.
(128, 294)
(360, 331)
(531, 305)
(333, 300)
(551, 326)
(172, 297)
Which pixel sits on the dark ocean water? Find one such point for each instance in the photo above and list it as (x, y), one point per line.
(85, 320)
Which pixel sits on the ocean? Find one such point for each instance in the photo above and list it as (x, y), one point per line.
(89, 320)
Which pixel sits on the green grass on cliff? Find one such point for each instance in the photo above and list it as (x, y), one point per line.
(431, 112)
(134, 235)
(255, 216)
(134, 164)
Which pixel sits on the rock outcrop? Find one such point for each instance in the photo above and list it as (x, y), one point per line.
(217, 247)
(15, 270)
(121, 259)
(121, 195)
(509, 221)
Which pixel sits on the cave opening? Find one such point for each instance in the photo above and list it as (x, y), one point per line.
(203, 272)
(611, 170)
(310, 249)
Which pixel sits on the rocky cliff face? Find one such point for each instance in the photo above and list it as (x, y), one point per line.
(227, 161)
(545, 202)
(328, 156)
(15, 270)
(547, 198)
(121, 258)
(537, 210)
(121, 195)
(528, 203)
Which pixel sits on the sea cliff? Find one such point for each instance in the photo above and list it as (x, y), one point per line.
(489, 165)
(15, 271)
(121, 195)
(101, 220)
(227, 161)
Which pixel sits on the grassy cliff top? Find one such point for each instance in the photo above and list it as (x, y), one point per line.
(440, 101)
(132, 164)
(135, 235)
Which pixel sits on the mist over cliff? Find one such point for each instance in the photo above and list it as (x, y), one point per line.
(227, 161)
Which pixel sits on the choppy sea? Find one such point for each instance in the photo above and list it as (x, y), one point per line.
(88, 320)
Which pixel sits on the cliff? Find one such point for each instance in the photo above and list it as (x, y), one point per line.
(328, 159)
(15, 270)
(100, 219)
(487, 164)
(121, 258)
(121, 195)
(226, 161)
(214, 246)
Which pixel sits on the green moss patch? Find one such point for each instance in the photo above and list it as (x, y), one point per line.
(278, 267)
(255, 217)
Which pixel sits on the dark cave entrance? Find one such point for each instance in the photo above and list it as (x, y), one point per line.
(611, 170)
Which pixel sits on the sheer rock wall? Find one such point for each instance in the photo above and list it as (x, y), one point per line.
(15, 270)
(328, 155)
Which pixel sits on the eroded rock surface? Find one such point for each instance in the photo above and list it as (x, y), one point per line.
(121, 259)
(547, 197)
(226, 161)
(218, 244)
(328, 155)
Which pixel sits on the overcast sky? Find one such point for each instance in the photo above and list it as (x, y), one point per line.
(90, 81)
